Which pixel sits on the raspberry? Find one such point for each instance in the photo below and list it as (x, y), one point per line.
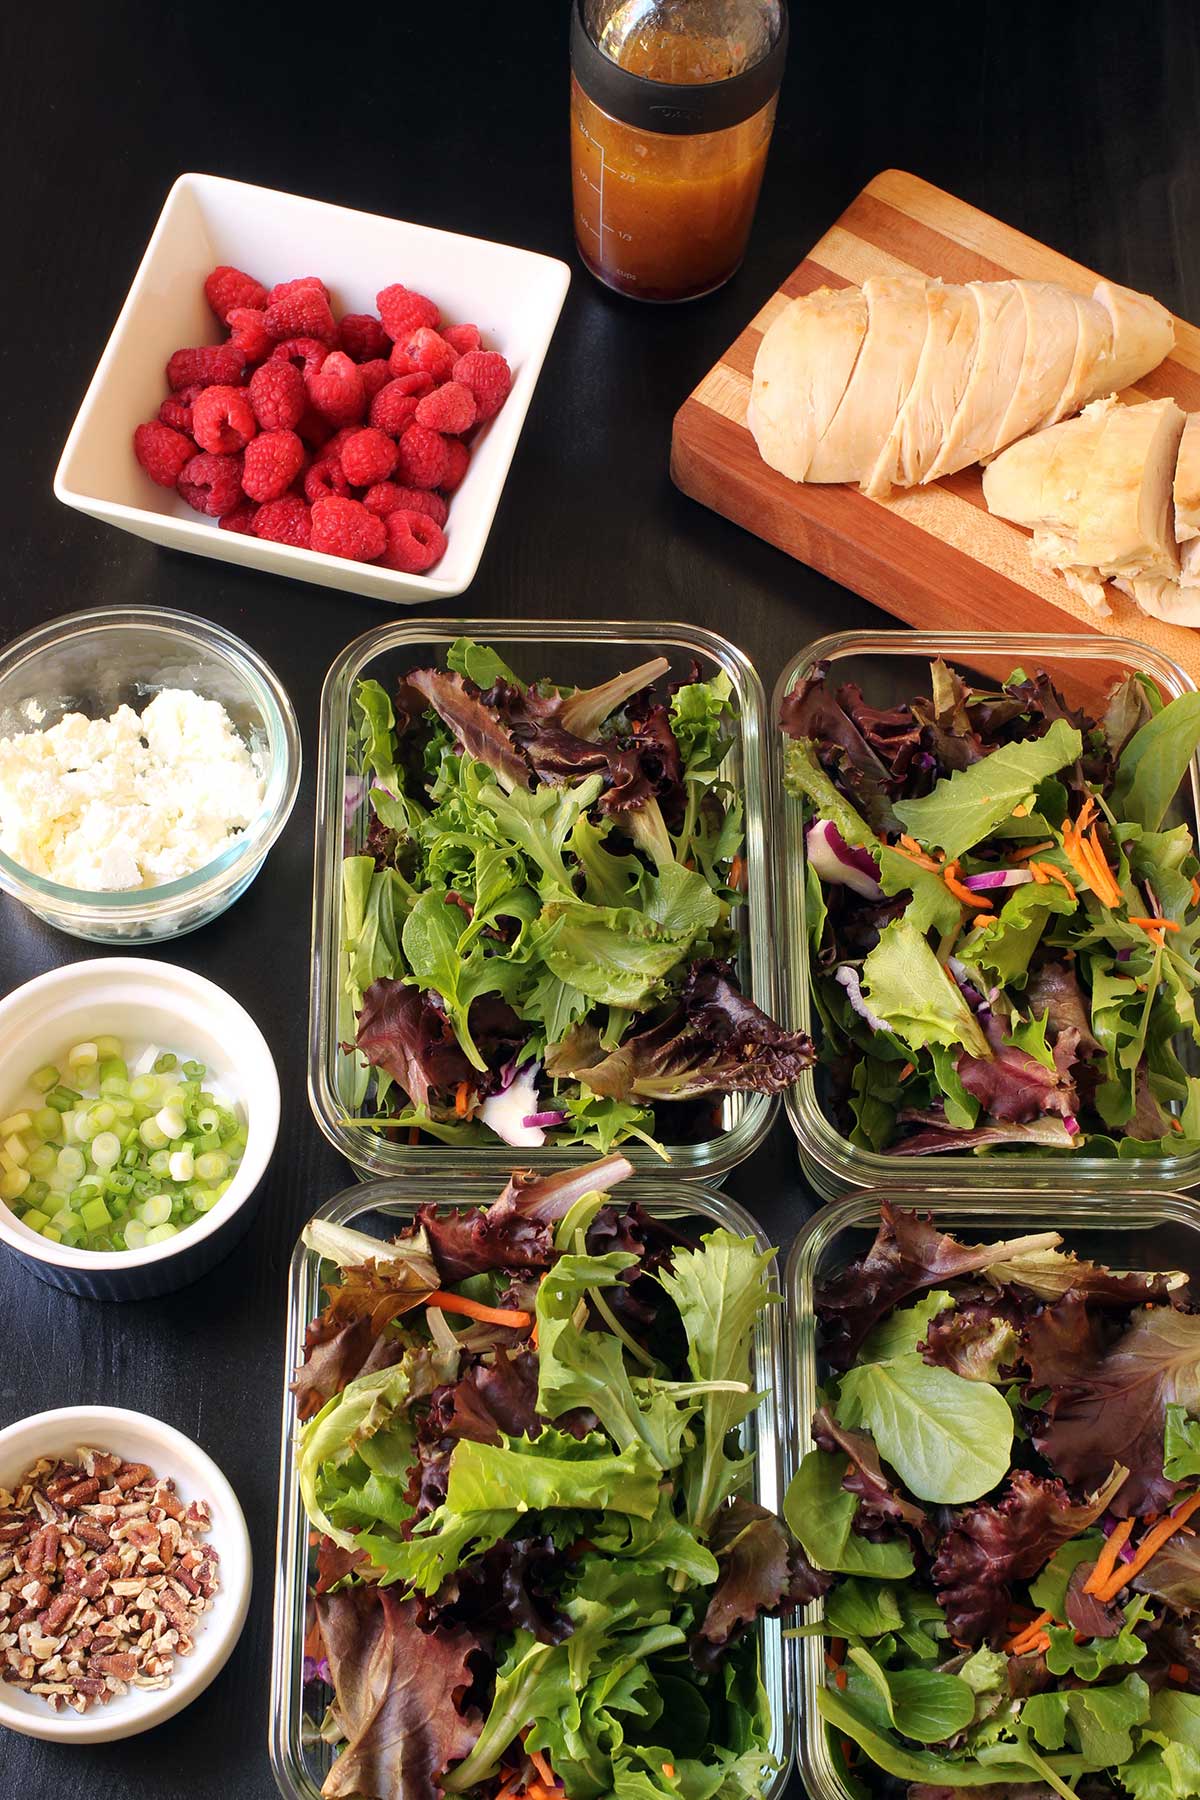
(337, 389)
(431, 352)
(401, 363)
(176, 412)
(212, 484)
(414, 543)
(368, 456)
(315, 431)
(489, 378)
(223, 420)
(376, 374)
(458, 461)
(282, 289)
(345, 528)
(403, 311)
(420, 458)
(278, 396)
(340, 438)
(227, 288)
(305, 312)
(385, 497)
(162, 452)
(362, 337)
(271, 464)
(326, 477)
(248, 333)
(306, 354)
(206, 365)
(393, 407)
(463, 338)
(240, 520)
(450, 408)
(285, 521)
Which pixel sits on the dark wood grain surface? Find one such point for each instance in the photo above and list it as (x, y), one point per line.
(1078, 123)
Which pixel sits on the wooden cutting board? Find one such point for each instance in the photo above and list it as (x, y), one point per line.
(933, 556)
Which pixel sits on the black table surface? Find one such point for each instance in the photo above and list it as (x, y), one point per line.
(1078, 123)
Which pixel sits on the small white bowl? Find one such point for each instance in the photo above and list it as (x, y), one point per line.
(142, 1002)
(514, 296)
(137, 1438)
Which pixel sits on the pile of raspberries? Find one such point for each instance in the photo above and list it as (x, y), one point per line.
(340, 435)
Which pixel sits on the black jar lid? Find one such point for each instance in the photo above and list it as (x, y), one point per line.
(674, 109)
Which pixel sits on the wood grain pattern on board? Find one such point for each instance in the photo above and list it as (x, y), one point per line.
(933, 556)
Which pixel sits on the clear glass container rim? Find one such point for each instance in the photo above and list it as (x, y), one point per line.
(283, 776)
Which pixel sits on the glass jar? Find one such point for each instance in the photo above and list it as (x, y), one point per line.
(672, 107)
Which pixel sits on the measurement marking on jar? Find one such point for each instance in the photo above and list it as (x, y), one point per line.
(601, 202)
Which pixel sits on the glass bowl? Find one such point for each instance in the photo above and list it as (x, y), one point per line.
(94, 661)
(1084, 666)
(570, 651)
(300, 1758)
(1146, 1230)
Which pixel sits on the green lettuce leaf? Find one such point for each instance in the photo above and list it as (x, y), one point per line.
(1181, 1444)
(965, 806)
(908, 988)
(1091, 1658)
(610, 953)
(1155, 761)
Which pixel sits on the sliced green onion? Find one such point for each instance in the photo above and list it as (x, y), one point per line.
(71, 1162)
(106, 1148)
(165, 1063)
(44, 1079)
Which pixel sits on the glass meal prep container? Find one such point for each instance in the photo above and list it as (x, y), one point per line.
(890, 667)
(573, 652)
(1145, 1230)
(299, 1758)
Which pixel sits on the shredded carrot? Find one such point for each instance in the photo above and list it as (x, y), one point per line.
(839, 1680)
(837, 1646)
(1034, 1629)
(1032, 850)
(414, 1134)
(668, 1770)
(1177, 1672)
(510, 1788)
(917, 855)
(1149, 1547)
(537, 1791)
(906, 1071)
(950, 875)
(1020, 811)
(1156, 924)
(1050, 873)
(1106, 1562)
(1195, 891)
(462, 1099)
(737, 870)
(475, 1309)
(1177, 1125)
(543, 1768)
(1085, 855)
(1038, 871)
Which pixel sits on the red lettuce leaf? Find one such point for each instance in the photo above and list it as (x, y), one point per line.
(882, 1507)
(516, 1232)
(1173, 1575)
(714, 1041)
(1012, 1085)
(476, 726)
(762, 1571)
(1089, 1616)
(1108, 1404)
(1054, 988)
(335, 1354)
(492, 1399)
(407, 1034)
(977, 1341)
(396, 1692)
(908, 1255)
(991, 1545)
(511, 1587)
(810, 712)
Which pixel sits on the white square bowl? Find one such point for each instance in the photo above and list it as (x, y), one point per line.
(514, 296)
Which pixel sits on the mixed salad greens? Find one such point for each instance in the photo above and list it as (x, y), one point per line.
(537, 936)
(1007, 1457)
(1003, 926)
(537, 1566)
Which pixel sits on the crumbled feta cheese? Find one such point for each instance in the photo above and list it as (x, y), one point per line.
(128, 801)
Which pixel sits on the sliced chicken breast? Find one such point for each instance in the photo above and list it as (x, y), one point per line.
(804, 362)
(1187, 482)
(942, 374)
(973, 430)
(1039, 480)
(1143, 333)
(1125, 519)
(1051, 328)
(1161, 598)
(887, 364)
(1093, 345)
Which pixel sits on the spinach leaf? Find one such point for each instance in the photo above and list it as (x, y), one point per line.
(1155, 761)
(820, 1514)
(1009, 1766)
(919, 1703)
(949, 1439)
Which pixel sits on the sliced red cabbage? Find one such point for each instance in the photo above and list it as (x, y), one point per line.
(508, 1113)
(847, 977)
(532, 1120)
(990, 879)
(839, 863)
